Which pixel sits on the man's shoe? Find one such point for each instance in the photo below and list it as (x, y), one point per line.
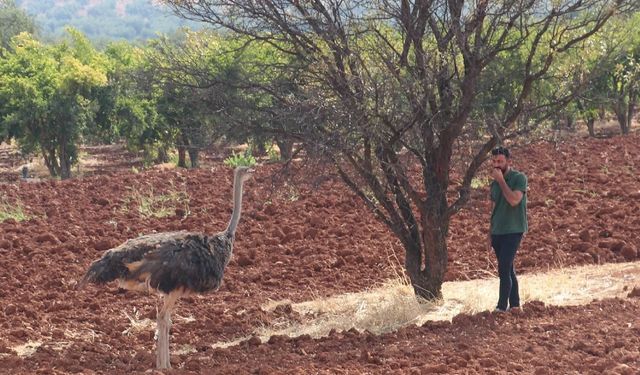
(499, 310)
(515, 309)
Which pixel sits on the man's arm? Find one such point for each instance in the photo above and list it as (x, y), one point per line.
(489, 232)
(512, 196)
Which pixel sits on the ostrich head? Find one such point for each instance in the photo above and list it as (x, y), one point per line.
(242, 174)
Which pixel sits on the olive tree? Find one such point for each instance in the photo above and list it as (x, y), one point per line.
(47, 97)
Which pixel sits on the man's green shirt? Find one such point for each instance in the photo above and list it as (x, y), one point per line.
(506, 219)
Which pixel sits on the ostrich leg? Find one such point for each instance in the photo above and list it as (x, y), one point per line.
(163, 358)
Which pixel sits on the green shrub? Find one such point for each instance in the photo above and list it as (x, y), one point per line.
(240, 160)
(274, 155)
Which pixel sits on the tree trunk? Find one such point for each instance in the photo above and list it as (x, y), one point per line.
(65, 163)
(52, 171)
(51, 161)
(426, 265)
(625, 127)
(591, 126)
(631, 108)
(182, 157)
(427, 281)
(286, 149)
(258, 148)
(570, 122)
(589, 118)
(65, 169)
(163, 155)
(621, 115)
(193, 157)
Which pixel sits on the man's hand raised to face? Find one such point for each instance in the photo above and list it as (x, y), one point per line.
(496, 174)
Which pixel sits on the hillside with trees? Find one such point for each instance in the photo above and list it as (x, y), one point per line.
(103, 20)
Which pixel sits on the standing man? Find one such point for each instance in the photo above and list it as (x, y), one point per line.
(508, 223)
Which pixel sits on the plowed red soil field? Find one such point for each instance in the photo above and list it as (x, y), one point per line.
(302, 241)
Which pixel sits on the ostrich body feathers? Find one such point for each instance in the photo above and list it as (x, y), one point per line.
(173, 261)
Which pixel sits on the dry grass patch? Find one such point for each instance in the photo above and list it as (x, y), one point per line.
(12, 210)
(151, 204)
(393, 305)
(87, 335)
(137, 324)
(565, 286)
(185, 349)
(27, 349)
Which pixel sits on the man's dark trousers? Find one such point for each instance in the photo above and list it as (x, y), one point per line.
(505, 246)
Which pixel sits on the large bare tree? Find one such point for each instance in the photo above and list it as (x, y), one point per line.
(388, 84)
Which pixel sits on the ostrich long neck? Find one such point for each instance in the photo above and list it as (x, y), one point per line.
(237, 207)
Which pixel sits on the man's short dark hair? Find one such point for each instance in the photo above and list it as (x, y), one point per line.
(501, 151)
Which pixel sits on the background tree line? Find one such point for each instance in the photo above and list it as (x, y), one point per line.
(102, 20)
(404, 99)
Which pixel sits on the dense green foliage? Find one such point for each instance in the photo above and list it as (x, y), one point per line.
(187, 91)
(611, 64)
(47, 97)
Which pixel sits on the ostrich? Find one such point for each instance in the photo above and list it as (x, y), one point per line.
(174, 264)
